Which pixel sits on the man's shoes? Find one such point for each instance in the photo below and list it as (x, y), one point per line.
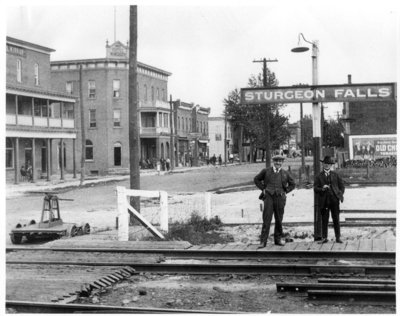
(339, 241)
(280, 243)
(317, 238)
(323, 241)
(262, 245)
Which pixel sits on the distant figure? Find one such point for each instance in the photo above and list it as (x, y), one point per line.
(29, 172)
(219, 160)
(162, 161)
(168, 164)
(231, 158)
(329, 187)
(213, 159)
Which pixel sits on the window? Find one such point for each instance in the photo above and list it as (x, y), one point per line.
(36, 74)
(145, 92)
(117, 118)
(116, 88)
(92, 118)
(9, 153)
(158, 94)
(92, 89)
(19, 70)
(160, 121)
(163, 95)
(166, 120)
(69, 87)
(218, 137)
(89, 150)
(40, 107)
(152, 93)
(68, 110)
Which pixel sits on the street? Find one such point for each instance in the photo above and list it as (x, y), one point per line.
(97, 204)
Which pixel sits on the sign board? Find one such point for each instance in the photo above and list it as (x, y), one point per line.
(372, 146)
(325, 93)
(194, 135)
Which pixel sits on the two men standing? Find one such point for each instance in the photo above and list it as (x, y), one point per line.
(275, 183)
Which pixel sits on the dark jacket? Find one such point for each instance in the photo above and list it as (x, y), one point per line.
(262, 179)
(337, 187)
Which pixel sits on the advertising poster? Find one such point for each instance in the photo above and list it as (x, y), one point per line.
(372, 146)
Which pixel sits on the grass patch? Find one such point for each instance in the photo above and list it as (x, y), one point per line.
(198, 230)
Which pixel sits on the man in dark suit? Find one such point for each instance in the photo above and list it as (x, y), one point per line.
(275, 183)
(330, 189)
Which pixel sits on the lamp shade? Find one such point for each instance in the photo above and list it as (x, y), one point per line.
(300, 49)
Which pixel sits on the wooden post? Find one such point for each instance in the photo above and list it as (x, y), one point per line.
(123, 215)
(164, 211)
(83, 131)
(207, 198)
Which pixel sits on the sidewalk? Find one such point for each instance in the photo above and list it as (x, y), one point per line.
(42, 185)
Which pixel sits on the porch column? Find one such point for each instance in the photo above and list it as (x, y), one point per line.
(16, 165)
(33, 158)
(48, 151)
(62, 159)
(74, 156)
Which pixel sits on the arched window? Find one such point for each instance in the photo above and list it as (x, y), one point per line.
(145, 92)
(117, 154)
(89, 150)
(152, 93)
(9, 153)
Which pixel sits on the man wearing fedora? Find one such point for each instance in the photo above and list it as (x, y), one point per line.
(275, 183)
(330, 189)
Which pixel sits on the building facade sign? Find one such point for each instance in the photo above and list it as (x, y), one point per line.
(372, 146)
(331, 93)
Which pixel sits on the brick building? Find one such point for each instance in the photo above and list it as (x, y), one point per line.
(105, 102)
(192, 130)
(40, 126)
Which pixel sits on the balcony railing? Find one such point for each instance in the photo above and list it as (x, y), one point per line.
(154, 130)
(26, 120)
(154, 104)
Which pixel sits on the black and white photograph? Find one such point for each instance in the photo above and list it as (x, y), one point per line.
(200, 157)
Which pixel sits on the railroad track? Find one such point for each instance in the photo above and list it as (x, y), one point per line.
(219, 254)
(43, 307)
(102, 270)
(360, 291)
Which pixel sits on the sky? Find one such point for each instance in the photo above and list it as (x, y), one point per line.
(209, 47)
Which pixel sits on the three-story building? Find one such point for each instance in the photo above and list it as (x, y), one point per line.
(40, 125)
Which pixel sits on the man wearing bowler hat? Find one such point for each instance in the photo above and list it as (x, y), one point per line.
(275, 183)
(330, 189)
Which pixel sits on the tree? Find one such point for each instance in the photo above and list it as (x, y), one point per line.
(308, 133)
(333, 134)
(252, 117)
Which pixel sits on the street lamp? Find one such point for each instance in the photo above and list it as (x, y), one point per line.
(316, 114)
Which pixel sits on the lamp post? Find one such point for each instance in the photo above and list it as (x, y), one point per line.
(316, 114)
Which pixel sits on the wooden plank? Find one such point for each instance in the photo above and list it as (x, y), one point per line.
(378, 245)
(315, 246)
(303, 246)
(391, 244)
(352, 245)
(365, 245)
(290, 246)
(326, 246)
(217, 246)
(194, 247)
(339, 246)
(251, 247)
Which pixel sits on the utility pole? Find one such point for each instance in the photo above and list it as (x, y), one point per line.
(267, 124)
(83, 131)
(172, 150)
(134, 138)
(225, 137)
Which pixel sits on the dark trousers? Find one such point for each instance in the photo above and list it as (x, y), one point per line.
(332, 205)
(273, 205)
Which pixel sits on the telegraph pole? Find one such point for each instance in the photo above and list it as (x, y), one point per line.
(134, 138)
(267, 124)
(83, 131)
(172, 146)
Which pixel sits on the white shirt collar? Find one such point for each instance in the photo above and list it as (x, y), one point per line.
(276, 170)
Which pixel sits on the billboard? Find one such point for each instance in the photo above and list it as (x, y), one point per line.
(372, 146)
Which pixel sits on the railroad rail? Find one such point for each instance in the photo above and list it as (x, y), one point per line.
(353, 291)
(228, 254)
(44, 307)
